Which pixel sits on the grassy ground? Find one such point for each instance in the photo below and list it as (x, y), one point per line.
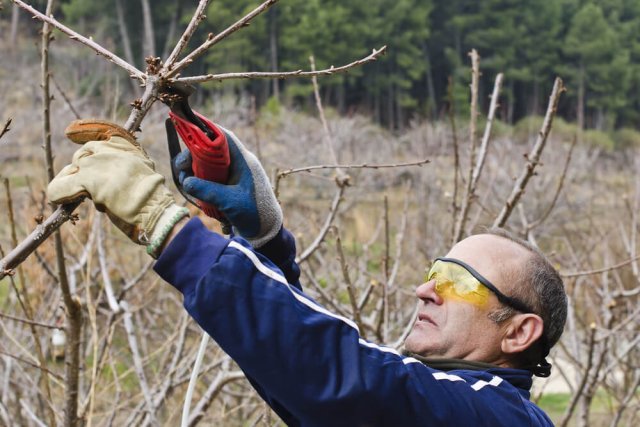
(555, 405)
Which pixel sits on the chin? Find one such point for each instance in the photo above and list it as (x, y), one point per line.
(418, 346)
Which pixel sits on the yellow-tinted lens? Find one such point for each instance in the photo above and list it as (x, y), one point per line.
(454, 282)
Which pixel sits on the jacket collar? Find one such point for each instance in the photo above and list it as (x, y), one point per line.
(519, 378)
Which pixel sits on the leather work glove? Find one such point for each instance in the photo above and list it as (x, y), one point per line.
(112, 169)
(247, 200)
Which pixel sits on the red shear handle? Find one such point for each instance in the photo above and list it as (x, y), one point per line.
(210, 157)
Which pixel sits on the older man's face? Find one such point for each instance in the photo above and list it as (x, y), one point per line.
(451, 328)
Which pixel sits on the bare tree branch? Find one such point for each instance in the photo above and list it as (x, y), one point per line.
(6, 127)
(600, 270)
(375, 54)
(28, 322)
(287, 172)
(533, 157)
(325, 228)
(353, 298)
(546, 213)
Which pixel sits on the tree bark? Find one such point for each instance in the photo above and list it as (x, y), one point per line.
(273, 50)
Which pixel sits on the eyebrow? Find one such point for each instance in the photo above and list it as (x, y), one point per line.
(510, 301)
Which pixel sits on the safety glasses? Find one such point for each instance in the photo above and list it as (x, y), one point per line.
(457, 280)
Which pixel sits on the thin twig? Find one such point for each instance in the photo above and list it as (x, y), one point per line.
(600, 270)
(6, 127)
(65, 97)
(533, 157)
(133, 71)
(578, 393)
(214, 389)
(212, 40)
(137, 360)
(353, 298)
(325, 228)
(286, 172)
(375, 54)
(35, 365)
(546, 214)
(28, 322)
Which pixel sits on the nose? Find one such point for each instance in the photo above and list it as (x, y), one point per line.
(427, 293)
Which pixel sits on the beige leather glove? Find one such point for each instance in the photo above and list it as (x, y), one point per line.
(112, 169)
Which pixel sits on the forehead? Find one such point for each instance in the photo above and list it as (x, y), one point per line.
(494, 257)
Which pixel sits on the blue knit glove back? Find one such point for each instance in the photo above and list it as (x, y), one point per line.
(247, 200)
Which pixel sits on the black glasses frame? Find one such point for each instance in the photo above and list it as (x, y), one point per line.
(508, 301)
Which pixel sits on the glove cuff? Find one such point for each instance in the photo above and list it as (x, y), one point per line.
(259, 241)
(163, 227)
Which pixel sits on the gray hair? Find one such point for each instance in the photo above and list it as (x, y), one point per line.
(540, 286)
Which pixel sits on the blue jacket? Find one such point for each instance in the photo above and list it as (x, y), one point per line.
(311, 365)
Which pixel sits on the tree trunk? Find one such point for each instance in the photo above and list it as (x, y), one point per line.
(432, 107)
(124, 34)
(535, 99)
(15, 19)
(171, 33)
(580, 105)
(273, 50)
(390, 100)
(149, 38)
(511, 105)
(341, 97)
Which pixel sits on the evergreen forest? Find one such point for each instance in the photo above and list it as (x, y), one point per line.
(594, 45)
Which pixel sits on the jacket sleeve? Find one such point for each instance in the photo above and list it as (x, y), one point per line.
(310, 364)
(281, 250)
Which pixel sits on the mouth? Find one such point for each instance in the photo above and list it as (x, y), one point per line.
(426, 319)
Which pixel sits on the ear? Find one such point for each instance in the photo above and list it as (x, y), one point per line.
(521, 332)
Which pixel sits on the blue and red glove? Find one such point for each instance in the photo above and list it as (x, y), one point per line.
(247, 200)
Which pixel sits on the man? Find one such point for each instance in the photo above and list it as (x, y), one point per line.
(489, 311)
